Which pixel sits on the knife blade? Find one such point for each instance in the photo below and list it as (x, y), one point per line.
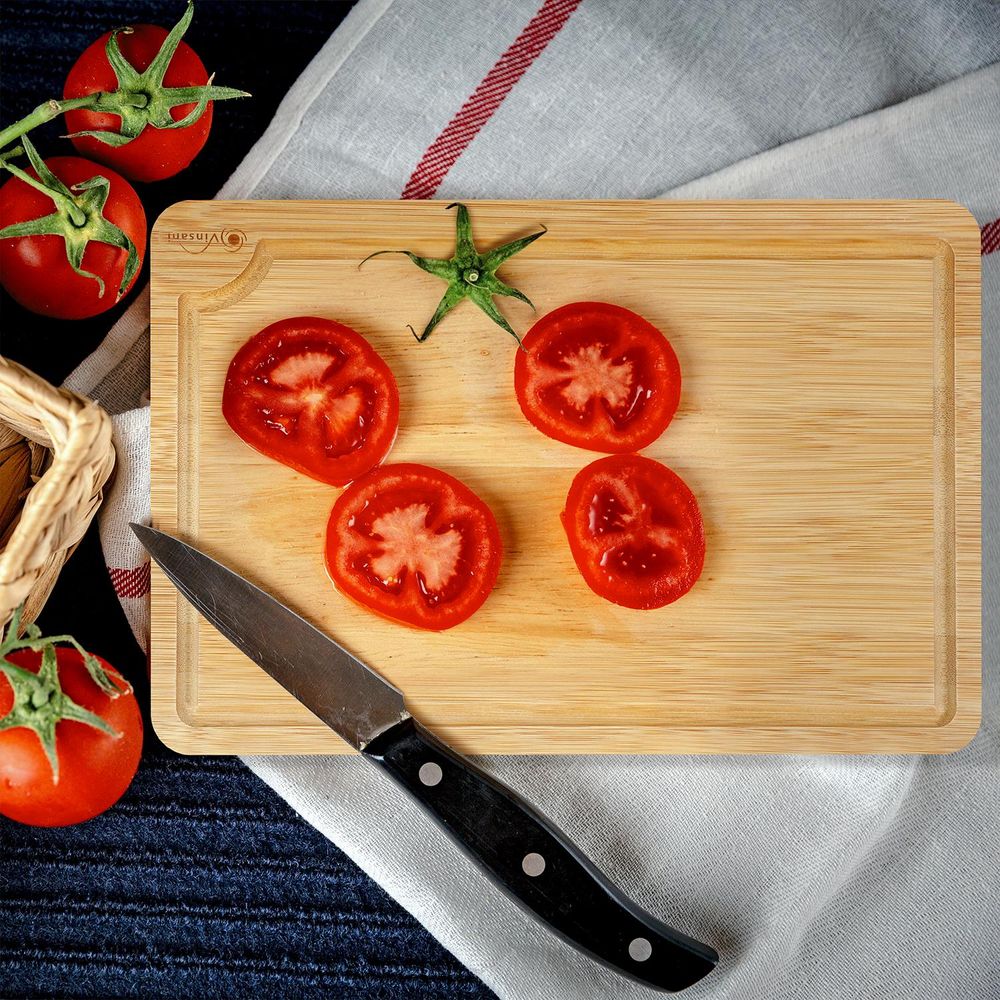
(523, 851)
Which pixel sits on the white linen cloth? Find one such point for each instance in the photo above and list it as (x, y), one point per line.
(825, 877)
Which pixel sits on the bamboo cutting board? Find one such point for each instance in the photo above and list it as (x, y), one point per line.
(829, 425)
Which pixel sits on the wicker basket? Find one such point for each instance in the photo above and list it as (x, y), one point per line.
(55, 458)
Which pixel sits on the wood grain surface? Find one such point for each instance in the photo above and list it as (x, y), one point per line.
(829, 425)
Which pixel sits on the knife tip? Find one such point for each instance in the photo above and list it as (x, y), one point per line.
(141, 531)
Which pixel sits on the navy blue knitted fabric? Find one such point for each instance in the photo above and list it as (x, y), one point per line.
(200, 882)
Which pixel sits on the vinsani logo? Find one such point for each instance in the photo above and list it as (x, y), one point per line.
(229, 239)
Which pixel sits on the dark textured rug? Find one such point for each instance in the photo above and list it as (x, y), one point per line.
(200, 882)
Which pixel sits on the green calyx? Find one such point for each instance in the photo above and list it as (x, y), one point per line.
(39, 702)
(141, 98)
(470, 275)
(78, 217)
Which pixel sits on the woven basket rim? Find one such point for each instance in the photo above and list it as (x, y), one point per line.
(61, 504)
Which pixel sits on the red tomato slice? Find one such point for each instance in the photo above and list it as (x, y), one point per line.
(314, 395)
(635, 531)
(597, 376)
(415, 545)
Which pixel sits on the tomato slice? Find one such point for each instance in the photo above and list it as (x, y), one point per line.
(635, 531)
(413, 544)
(314, 395)
(597, 376)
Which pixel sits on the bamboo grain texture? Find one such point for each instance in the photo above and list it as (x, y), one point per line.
(829, 426)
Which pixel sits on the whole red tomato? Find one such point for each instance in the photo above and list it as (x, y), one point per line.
(35, 270)
(95, 768)
(155, 153)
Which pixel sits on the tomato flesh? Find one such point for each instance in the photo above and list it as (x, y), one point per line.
(314, 395)
(34, 269)
(597, 376)
(635, 531)
(95, 768)
(155, 153)
(413, 544)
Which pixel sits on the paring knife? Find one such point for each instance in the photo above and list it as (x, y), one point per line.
(523, 852)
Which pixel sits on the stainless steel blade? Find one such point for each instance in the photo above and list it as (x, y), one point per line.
(349, 697)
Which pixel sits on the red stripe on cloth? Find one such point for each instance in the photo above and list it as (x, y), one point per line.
(991, 237)
(487, 97)
(130, 582)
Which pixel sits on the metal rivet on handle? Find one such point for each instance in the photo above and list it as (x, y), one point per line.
(639, 949)
(430, 773)
(533, 865)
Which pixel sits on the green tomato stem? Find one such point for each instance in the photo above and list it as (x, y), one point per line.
(42, 114)
(76, 214)
(470, 275)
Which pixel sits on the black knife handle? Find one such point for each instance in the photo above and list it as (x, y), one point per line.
(536, 863)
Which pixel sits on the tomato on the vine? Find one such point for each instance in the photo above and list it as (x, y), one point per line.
(155, 154)
(93, 206)
(155, 110)
(69, 747)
